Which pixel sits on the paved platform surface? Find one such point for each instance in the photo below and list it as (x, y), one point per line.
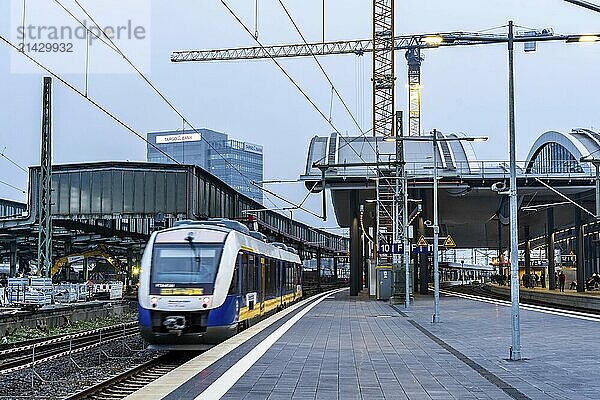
(345, 348)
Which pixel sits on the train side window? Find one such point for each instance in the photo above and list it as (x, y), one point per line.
(287, 275)
(283, 277)
(251, 273)
(268, 281)
(233, 288)
(244, 272)
(273, 277)
(257, 274)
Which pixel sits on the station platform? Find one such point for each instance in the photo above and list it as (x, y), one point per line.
(337, 347)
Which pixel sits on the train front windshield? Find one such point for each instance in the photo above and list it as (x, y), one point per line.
(184, 269)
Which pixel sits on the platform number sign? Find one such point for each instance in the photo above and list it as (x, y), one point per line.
(391, 248)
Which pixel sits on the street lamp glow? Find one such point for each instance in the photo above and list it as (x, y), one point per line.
(583, 39)
(433, 40)
(588, 38)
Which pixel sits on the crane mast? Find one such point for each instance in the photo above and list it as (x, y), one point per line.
(383, 68)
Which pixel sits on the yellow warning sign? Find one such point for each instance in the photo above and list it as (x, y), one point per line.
(422, 242)
(449, 242)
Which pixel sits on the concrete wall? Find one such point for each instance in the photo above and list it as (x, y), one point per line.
(60, 316)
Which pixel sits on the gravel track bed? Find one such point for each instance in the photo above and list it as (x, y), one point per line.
(64, 377)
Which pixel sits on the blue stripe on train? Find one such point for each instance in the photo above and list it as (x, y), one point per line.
(144, 316)
(226, 314)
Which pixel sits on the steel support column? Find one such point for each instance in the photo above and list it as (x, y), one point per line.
(500, 270)
(318, 268)
(355, 248)
(527, 252)
(423, 262)
(365, 264)
(14, 259)
(335, 269)
(579, 250)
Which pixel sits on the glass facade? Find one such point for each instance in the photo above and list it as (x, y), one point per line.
(234, 162)
(553, 158)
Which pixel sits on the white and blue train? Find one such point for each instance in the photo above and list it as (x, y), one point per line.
(203, 281)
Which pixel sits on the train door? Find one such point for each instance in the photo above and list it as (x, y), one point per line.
(262, 285)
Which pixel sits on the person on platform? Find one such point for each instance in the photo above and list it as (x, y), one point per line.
(561, 281)
(536, 281)
(555, 280)
(526, 280)
(543, 279)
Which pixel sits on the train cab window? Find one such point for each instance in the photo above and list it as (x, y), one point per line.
(184, 263)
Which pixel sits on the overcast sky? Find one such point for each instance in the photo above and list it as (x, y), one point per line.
(464, 89)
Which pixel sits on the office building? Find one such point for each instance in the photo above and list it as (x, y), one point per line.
(233, 161)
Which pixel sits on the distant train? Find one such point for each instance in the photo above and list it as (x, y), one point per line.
(203, 281)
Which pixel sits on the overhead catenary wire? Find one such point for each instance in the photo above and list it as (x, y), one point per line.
(329, 80)
(333, 88)
(13, 162)
(184, 119)
(90, 100)
(293, 81)
(283, 70)
(115, 48)
(12, 186)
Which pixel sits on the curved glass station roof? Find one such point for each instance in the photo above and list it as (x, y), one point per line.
(553, 153)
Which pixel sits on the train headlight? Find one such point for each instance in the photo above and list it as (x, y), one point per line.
(153, 301)
(205, 302)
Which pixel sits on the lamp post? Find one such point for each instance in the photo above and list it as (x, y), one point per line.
(515, 350)
(436, 235)
(406, 244)
(436, 273)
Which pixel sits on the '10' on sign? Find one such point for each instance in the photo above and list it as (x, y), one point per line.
(391, 248)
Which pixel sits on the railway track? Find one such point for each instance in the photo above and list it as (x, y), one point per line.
(485, 291)
(122, 385)
(33, 354)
